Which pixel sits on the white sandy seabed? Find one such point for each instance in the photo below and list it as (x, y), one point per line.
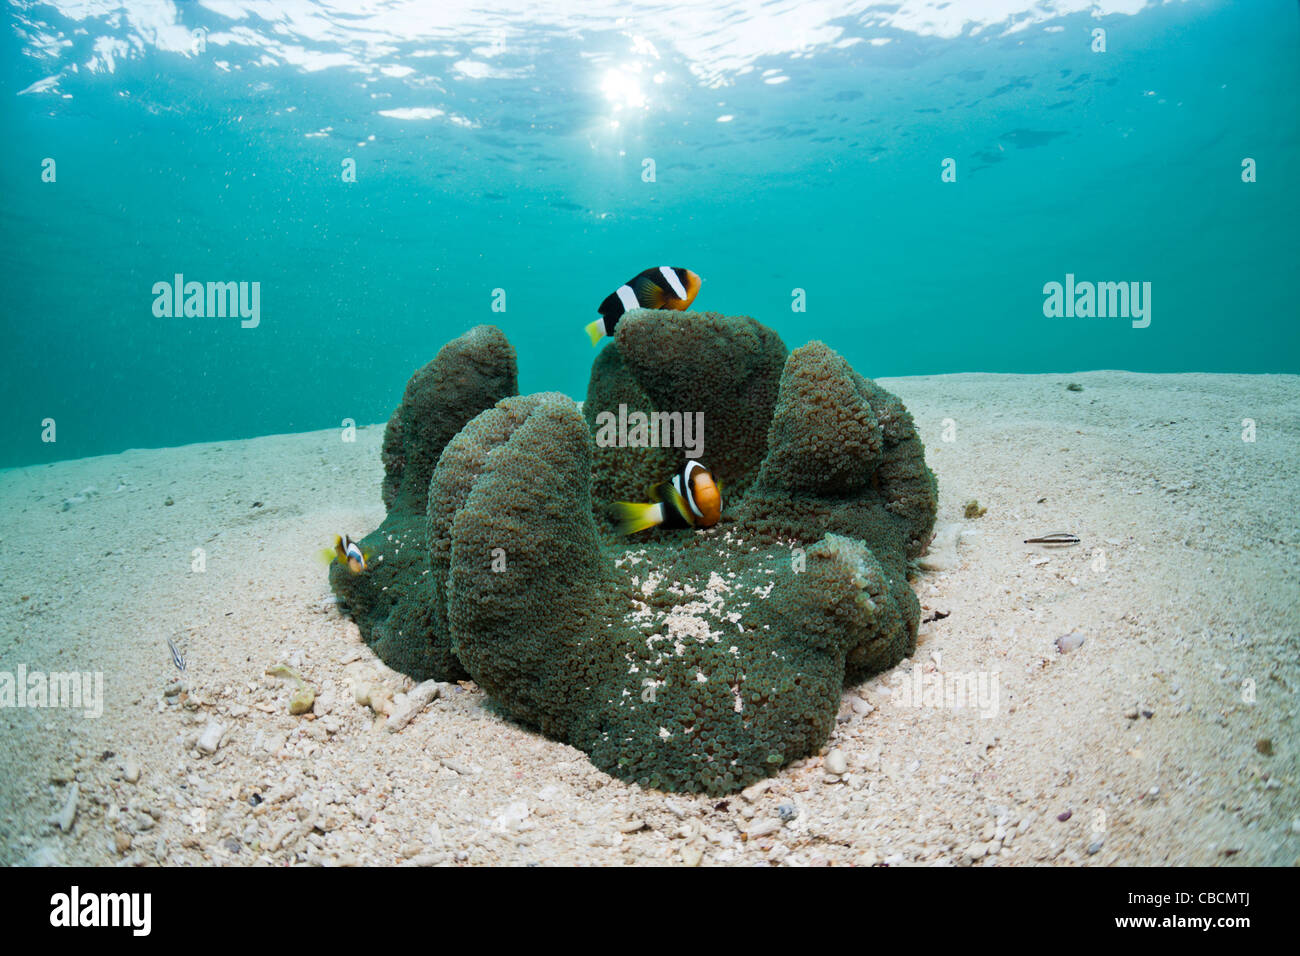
(1169, 736)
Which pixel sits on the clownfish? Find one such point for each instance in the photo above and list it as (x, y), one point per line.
(666, 287)
(348, 553)
(690, 499)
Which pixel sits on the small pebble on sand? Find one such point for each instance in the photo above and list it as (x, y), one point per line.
(836, 762)
(1069, 642)
(754, 791)
(210, 739)
(300, 702)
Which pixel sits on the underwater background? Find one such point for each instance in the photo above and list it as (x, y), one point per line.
(500, 154)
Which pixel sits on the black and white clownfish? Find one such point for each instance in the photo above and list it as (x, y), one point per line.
(690, 499)
(666, 287)
(347, 553)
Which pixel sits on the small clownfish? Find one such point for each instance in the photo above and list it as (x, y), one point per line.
(690, 499)
(666, 287)
(348, 553)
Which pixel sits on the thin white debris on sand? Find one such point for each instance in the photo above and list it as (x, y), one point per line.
(68, 815)
(418, 698)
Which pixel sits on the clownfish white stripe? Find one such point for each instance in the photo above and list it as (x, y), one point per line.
(628, 298)
(674, 283)
(687, 487)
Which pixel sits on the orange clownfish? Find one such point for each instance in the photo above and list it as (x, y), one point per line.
(666, 287)
(690, 499)
(347, 553)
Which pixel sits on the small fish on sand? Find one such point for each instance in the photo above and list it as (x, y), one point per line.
(667, 287)
(690, 499)
(1057, 538)
(177, 658)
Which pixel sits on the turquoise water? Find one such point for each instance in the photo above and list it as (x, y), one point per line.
(503, 147)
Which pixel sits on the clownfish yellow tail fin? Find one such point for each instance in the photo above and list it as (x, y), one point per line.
(596, 331)
(330, 555)
(633, 517)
